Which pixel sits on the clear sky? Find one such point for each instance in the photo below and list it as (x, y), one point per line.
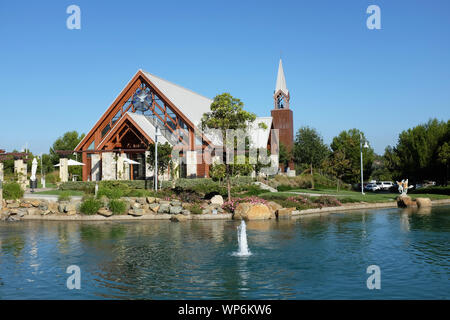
(340, 74)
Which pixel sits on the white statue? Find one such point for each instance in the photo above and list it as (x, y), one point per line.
(33, 169)
(403, 187)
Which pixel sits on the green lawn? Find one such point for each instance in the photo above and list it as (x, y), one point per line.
(345, 196)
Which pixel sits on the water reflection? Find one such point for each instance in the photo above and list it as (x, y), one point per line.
(309, 257)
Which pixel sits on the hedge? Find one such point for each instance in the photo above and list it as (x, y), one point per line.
(445, 190)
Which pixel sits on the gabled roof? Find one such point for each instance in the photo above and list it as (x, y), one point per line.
(191, 104)
(281, 80)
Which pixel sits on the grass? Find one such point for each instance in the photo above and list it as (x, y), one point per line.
(346, 196)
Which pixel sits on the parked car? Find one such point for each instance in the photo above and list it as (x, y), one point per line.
(371, 187)
(385, 185)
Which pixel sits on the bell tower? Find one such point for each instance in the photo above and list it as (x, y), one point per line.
(282, 115)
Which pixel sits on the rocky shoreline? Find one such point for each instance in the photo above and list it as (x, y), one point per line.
(176, 211)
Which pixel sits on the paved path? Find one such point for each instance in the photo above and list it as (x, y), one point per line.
(47, 197)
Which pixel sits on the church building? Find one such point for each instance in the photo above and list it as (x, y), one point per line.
(150, 108)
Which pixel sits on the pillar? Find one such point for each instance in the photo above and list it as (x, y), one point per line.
(20, 171)
(1, 172)
(95, 167)
(191, 164)
(149, 172)
(120, 167)
(108, 166)
(63, 169)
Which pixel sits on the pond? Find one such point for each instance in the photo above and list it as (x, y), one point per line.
(305, 258)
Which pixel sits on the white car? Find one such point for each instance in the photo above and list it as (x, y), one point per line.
(385, 185)
(371, 187)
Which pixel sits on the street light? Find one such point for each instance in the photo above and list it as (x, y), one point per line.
(361, 150)
(157, 133)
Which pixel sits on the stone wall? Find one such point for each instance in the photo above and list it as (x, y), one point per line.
(20, 170)
(95, 167)
(108, 166)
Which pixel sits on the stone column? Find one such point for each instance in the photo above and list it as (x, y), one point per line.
(20, 171)
(191, 164)
(120, 167)
(63, 169)
(108, 166)
(1, 172)
(95, 167)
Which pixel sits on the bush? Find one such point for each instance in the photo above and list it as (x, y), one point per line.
(52, 177)
(196, 209)
(117, 206)
(111, 193)
(90, 206)
(64, 196)
(12, 191)
(445, 190)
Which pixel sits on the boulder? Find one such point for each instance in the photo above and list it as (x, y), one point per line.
(423, 202)
(185, 212)
(71, 212)
(285, 213)
(249, 211)
(136, 212)
(33, 211)
(405, 202)
(154, 207)
(151, 200)
(164, 208)
(178, 218)
(136, 206)
(104, 212)
(141, 201)
(44, 205)
(13, 205)
(175, 209)
(52, 207)
(217, 200)
(164, 202)
(35, 203)
(25, 205)
(175, 203)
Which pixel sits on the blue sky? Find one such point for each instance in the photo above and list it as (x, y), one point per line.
(340, 74)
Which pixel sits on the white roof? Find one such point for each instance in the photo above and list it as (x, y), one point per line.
(191, 104)
(281, 80)
(145, 124)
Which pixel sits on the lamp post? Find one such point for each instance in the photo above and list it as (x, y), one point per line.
(157, 133)
(361, 150)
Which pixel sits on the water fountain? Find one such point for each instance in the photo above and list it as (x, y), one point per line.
(243, 250)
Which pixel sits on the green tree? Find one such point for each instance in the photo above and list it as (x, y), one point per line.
(67, 142)
(309, 148)
(417, 153)
(338, 165)
(348, 142)
(164, 157)
(285, 155)
(227, 113)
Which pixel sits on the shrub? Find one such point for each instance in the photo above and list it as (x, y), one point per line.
(52, 177)
(12, 191)
(433, 190)
(117, 206)
(196, 209)
(64, 196)
(90, 206)
(326, 201)
(110, 193)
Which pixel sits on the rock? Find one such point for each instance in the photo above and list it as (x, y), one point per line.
(151, 200)
(164, 208)
(33, 211)
(175, 209)
(71, 212)
(284, 212)
(175, 203)
(13, 212)
(104, 200)
(44, 213)
(25, 205)
(104, 212)
(206, 210)
(44, 205)
(273, 206)
(423, 202)
(248, 211)
(13, 205)
(141, 201)
(154, 207)
(52, 207)
(35, 203)
(217, 199)
(178, 218)
(61, 207)
(21, 212)
(165, 202)
(136, 206)
(186, 205)
(185, 212)
(405, 202)
(10, 201)
(136, 212)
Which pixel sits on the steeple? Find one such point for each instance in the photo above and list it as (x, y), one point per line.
(281, 80)
(281, 95)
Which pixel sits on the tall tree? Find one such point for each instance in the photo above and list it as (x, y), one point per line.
(338, 165)
(164, 157)
(348, 142)
(227, 113)
(309, 148)
(67, 142)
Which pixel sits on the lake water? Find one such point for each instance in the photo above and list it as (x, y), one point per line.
(306, 258)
